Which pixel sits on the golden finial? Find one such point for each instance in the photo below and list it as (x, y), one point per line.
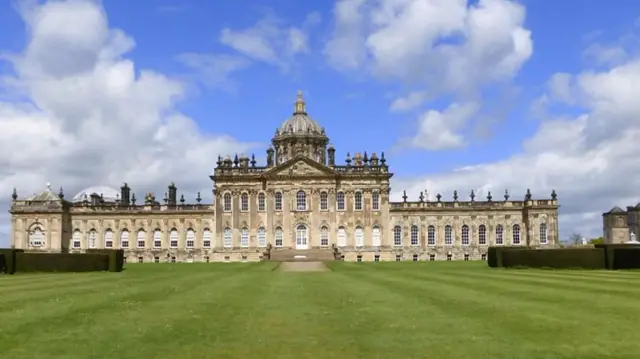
(300, 104)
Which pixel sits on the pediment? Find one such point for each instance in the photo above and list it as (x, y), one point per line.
(300, 166)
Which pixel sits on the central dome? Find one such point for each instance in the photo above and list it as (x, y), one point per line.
(300, 122)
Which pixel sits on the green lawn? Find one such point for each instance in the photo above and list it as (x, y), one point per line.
(357, 310)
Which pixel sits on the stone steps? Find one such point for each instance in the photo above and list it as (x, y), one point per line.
(309, 255)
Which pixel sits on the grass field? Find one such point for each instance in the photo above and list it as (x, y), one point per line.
(357, 310)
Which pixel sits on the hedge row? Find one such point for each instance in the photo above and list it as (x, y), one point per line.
(9, 254)
(604, 256)
(592, 258)
(16, 260)
(61, 262)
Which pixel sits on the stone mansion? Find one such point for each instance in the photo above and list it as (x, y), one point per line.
(301, 200)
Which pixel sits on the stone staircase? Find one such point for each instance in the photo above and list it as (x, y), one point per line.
(307, 255)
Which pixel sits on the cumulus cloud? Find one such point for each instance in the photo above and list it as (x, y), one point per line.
(89, 116)
(269, 41)
(432, 47)
(438, 129)
(591, 160)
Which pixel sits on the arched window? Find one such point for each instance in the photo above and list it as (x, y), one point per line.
(36, 237)
(499, 234)
(543, 233)
(108, 238)
(340, 201)
(376, 237)
(397, 236)
(278, 201)
(173, 238)
(206, 238)
(375, 201)
(141, 238)
(482, 234)
(262, 237)
(342, 237)
(324, 201)
(357, 201)
(278, 237)
(244, 237)
(448, 241)
(465, 235)
(227, 238)
(191, 238)
(431, 235)
(92, 239)
(157, 238)
(359, 234)
(227, 202)
(261, 202)
(414, 235)
(124, 239)
(516, 234)
(324, 236)
(77, 238)
(301, 201)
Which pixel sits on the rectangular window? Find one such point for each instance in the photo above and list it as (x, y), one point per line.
(359, 258)
(324, 236)
(157, 239)
(278, 201)
(173, 259)
(140, 243)
(375, 201)
(227, 258)
(227, 202)
(244, 202)
(398, 257)
(156, 259)
(432, 257)
(342, 257)
(261, 202)
(227, 238)
(466, 257)
(324, 201)
(191, 238)
(357, 200)
(376, 258)
(206, 259)
(448, 257)
(415, 257)
(484, 256)
(340, 201)
(244, 258)
(140, 260)
(262, 237)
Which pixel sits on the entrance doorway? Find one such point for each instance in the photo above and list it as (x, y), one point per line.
(302, 239)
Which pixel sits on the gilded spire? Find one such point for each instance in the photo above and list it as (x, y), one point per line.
(300, 107)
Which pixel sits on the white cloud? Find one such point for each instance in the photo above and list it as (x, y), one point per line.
(438, 130)
(269, 41)
(591, 159)
(432, 47)
(90, 117)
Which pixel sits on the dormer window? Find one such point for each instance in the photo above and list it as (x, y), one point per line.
(301, 201)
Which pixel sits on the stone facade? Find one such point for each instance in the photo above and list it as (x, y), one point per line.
(301, 199)
(620, 226)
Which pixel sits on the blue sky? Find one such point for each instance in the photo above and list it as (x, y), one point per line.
(239, 109)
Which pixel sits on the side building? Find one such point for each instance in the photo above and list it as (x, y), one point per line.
(301, 199)
(620, 226)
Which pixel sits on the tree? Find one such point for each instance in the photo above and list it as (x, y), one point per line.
(575, 239)
(599, 240)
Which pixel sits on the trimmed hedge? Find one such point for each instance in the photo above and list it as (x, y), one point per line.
(3, 262)
(116, 258)
(626, 258)
(494, 255)
(593, 258)
(9, 259)
(610, 253)
(61, 262)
